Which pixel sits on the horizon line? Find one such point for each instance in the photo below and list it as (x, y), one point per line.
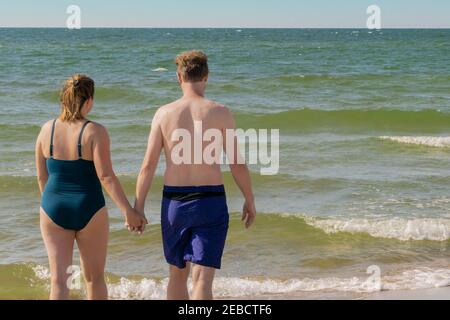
(231, 27)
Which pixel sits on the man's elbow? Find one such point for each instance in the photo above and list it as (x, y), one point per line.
(148, 167)
(238, 167)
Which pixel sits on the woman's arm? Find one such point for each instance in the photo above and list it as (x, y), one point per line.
(41, 167)
(151, 159)
(105, 172)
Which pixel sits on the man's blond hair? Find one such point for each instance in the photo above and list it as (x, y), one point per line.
(192, 66)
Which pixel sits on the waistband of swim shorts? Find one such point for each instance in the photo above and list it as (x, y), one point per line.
(193, 192)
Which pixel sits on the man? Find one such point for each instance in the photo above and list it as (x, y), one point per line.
(194, 213)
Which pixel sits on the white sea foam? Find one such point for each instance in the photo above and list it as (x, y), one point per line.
(41, 272)
(233, 287)
(439, 142)
(243, 288)
(394, 228)
(423, 278)
(144, 289)
(160, 70)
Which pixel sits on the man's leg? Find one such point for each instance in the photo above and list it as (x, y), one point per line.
(202, 280)
(177, 287)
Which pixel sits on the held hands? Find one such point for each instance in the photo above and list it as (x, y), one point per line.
(135, 221)
(248, 213)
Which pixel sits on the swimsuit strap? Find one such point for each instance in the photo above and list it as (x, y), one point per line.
(80, 137)
(51, 138)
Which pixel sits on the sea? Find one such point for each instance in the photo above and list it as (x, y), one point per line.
(360, 204)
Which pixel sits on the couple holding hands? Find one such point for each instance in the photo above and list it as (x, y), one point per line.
(74, 165)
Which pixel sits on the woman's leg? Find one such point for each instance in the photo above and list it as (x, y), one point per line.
(59, 245)
(177, 287)
(92, 243)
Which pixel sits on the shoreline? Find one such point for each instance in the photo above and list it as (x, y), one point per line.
(417, 294)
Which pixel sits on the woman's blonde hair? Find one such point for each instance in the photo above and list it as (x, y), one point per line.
(75, 92)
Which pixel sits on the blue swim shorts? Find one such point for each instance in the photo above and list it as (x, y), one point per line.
(194, 222)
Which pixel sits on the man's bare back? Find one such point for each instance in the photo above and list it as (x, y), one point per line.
(187, 113)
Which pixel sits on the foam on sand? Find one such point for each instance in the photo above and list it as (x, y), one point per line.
(232, 287)
(246, 288)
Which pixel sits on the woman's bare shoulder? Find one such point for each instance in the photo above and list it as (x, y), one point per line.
(96, 126)
(96, 130)
(46, 129)
(47, 125)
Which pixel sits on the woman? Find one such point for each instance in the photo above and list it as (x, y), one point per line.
(73, 163)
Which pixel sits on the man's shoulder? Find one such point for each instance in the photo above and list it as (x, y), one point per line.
(221, 114)
(218, 107)
(165, 108)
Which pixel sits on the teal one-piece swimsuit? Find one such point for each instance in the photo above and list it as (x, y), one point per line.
(73, 193)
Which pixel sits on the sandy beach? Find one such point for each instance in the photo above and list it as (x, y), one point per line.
(420, 294)
(425, 294)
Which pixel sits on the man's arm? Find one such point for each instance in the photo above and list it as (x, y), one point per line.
(239, 170)
(151, 159)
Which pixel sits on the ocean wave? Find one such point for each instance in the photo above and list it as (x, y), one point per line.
(339, 79)
(394, 228)
(26, 182)
(378, 120)
(241, 287)
(438, 142)
(292, 121)
(234, 287)
(18, 131)
(104, 94)
(397, 228)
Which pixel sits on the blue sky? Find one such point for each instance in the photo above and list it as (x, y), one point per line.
(226, 13)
